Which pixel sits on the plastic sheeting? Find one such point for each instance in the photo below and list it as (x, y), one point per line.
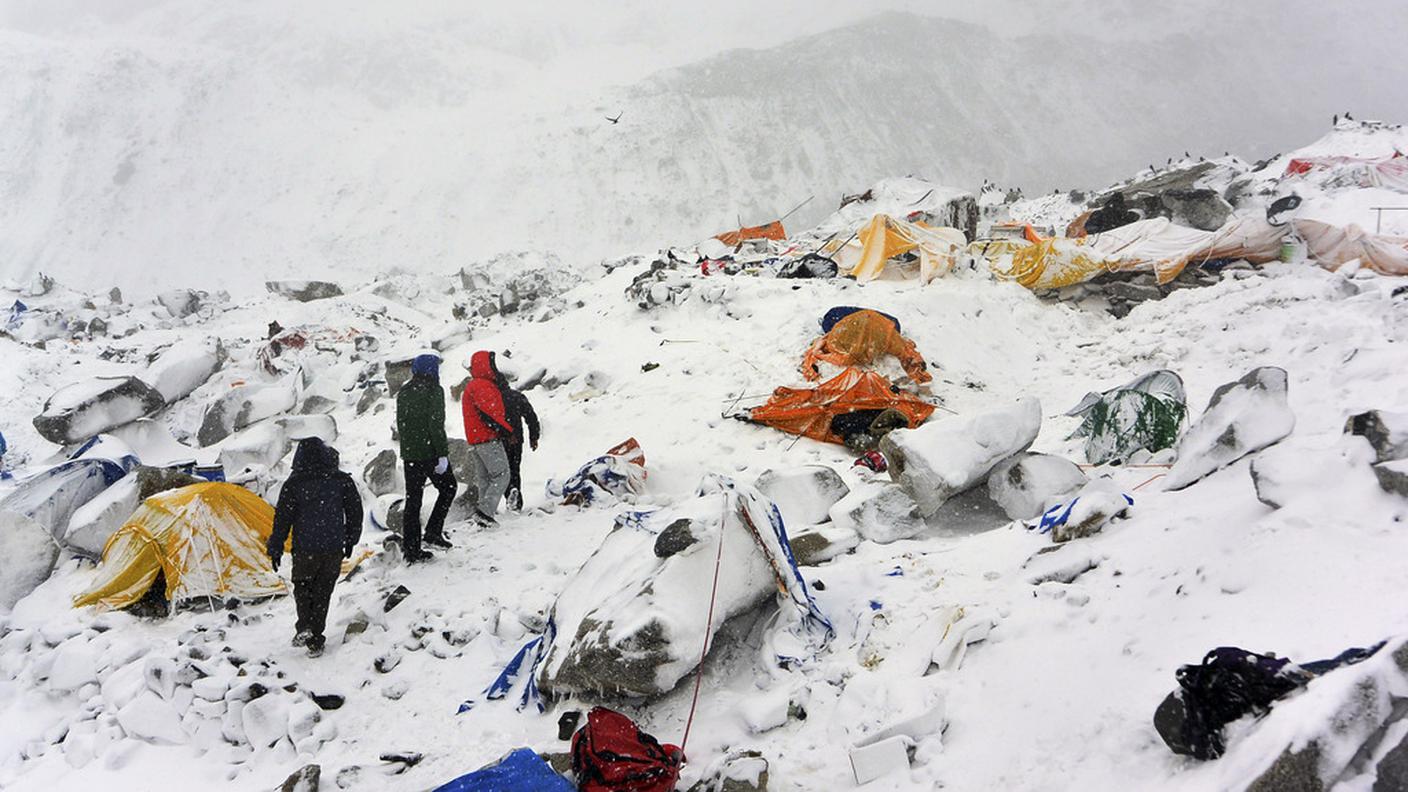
(810, 411)
(50, 497)
(618, 473)
(771, 230)
(885, 237)
(1156, 245)
(1147, 413)
(1390, 172)
(1333, 247)
(860, 339)
(520, 771)
(208, 539)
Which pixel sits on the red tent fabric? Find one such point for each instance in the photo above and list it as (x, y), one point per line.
(809, 411)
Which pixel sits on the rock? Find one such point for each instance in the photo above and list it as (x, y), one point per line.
(316, 405)
(398, 373)
(383, 474)
(951, 455)
(1393, 476)
(674, 539)
(1132, 292)
(265, 721)
(211, 688)
(29, 552)
(803, 495)
(396, 690)
(1098, 502)
(303, 718)
(304, 291)
(77, 413)
(1391, 774)
(396, 597)
(262, 445)
(302, 427)
(305, 779)
(75, 664)
(180, 303)
(147, 717)
(183, 367)
(1027, 485)
(1242, 417)
(159, 674)
(151, 480)
(328, 701)
(816, 544)
(386, 663)
(93, 522)
(1060, 563)
(740, 771)
(243, 406)
(247, 691)
(881, 513)
(1288, 471)
(1387, 432)
(371, 396)
(115, 296)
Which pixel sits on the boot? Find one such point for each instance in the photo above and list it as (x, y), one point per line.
(438, 541)
(301, 637)
(514, 499)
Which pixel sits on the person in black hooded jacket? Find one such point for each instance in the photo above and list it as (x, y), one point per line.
(321, 507)
(517, 409)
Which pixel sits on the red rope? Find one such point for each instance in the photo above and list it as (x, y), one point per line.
(708, 626)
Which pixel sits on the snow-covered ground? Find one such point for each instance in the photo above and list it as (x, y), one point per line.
(1061, 693)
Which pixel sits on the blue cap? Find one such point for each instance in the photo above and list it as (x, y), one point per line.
(426, 364)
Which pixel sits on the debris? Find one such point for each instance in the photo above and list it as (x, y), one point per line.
(304, 291)
(1146, 413)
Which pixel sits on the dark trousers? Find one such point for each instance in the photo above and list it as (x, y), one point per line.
(314, 576)
(515, 461)
(417, 473)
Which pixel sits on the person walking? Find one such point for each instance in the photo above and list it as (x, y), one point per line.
(425, 456)
(485, 428)
(321, 507)
(517, 409)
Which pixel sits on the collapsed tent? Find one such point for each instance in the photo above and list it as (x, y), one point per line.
(860, 339)
(886, 237)
(1146, 413)
(1156, 245)
(771, 230)
(208, 540)
(1390, 172)
(1333, 247)
(51, 496)
(618, 473)
(813, 412)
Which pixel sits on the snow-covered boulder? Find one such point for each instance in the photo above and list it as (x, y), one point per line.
(1098, 502)
(880, 513)
(817, 543)
(180, 303)
(148, 717)
(260, 445)
(1393, 476)
(628, 623)
(302, 427)
(1028, 484)
(265, 720)
(1387, 432)
(383, 474)
(304, 291)
(80, 411)
(91, 525)
(945, 457)
(1288, 471)
(183, 367)
(29, 554)
(76, 663)
(804, 495)
(1242, 417)
(246, 405)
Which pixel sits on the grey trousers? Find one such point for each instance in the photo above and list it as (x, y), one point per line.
(490, 473)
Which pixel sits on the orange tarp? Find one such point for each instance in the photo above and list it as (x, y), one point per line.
(809, 411)
(859, 340)
(772, 230)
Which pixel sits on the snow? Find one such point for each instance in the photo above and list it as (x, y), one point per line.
(183, 368)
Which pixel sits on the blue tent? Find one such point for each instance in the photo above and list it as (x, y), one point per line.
(520, 771)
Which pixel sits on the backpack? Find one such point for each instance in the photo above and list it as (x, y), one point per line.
(612, 754)
(1227, 685)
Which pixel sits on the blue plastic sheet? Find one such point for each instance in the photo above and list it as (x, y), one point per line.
(520, 771)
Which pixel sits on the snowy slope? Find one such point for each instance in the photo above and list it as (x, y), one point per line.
(202, 143)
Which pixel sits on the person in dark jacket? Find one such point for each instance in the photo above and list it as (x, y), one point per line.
(320, 506)
(485, 428)
(517, 409)
(425, 455)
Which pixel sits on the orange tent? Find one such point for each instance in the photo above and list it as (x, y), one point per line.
(861, 339)
(772, 230)
(810, 411)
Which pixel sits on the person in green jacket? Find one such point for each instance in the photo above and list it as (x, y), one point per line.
(425, 451)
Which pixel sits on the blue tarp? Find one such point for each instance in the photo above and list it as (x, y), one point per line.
(535, 649)
(1058, 515)
(51, 496)
(17, 312)
(520, 771)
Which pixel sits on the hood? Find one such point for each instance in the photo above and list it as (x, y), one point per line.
(313, 457)
(481, 366)
(426, 366)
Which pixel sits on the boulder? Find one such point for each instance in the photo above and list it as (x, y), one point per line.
(76, 663)
(1027, 485)
(183, 367)
(302, 427)
(262, 445)
(739, 771)
(881, 513)
(304, 779)
(1393, 476)
(29, 552)
(383, 474)
(304, 291)
(243, 406)
(78, 412)
(1060, 563)
(398, 373)
(1387, 432)
(148, 717)
(815, 544)
(1287, 471)
(1242, 417)
(951, 455)
(265, 721)
(180, 303)
(91, 525)
(803, 495)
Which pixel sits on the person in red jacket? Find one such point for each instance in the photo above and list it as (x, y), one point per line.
(485, 427)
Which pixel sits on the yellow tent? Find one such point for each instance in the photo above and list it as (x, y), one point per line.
(209, 539)
(885, 237)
